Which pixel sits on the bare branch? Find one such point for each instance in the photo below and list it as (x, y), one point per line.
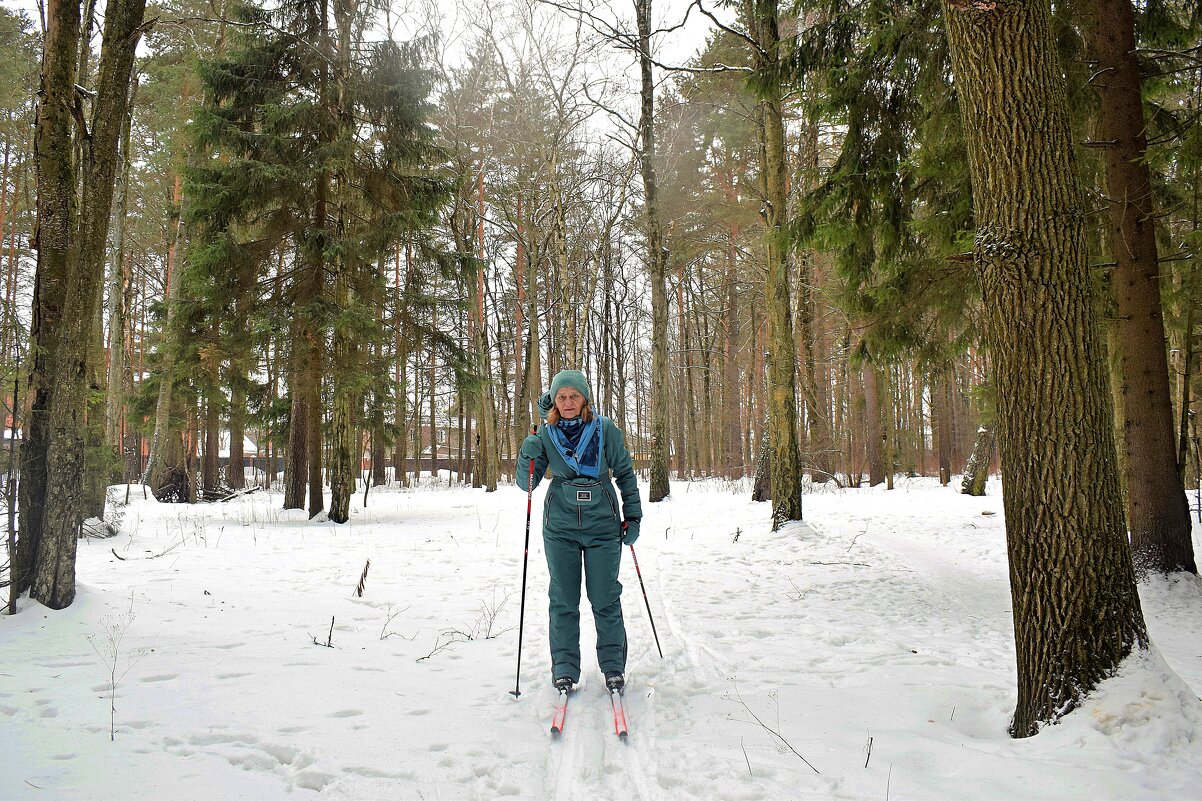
(732, 31)
(701, 70)
(612, 112)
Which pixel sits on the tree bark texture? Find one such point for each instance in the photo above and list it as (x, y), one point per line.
(235, 472)
(874, 431)
(941, 422)
(732, 448)
(156, 461)
(117, 322)
(976, 472)
(657, 263)
(1157, 511)
(781, 368)
(57, 247)
(210, 470)
(488, 465)
(296, 464)
(54, 579)
(1076, 610)
(761, 487)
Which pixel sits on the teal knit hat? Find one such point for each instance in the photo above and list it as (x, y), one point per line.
(571, 378)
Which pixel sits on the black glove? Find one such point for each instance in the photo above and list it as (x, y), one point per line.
(630, 531)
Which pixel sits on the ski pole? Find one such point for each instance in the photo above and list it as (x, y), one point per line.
(517, 685)
(644, 588)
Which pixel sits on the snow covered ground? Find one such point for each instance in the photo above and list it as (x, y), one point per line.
(874, 642)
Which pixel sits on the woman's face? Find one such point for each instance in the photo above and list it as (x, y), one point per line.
(569, 401)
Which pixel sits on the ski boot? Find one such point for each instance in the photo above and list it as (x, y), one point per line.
(563, 684)
(614, 680)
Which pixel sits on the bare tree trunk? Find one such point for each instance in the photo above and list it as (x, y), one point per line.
(1076, 610)
(344, 431)
(533, 369)
(211, 464)
(782, 392)
(761, 488)
(156, 460)
(1157, 512)
(522, 420)
(488, 466)
(54, 577)
(117, 318)
(657, 257)
(732, 449)
(296, 465)
(942, 424)
(684, 395)
(889, 430)
(976, 472)
(56, 242)
(235, 470)
(875, 438)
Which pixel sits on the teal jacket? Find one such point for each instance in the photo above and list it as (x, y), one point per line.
(581, 504)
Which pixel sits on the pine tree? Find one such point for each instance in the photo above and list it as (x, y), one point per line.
(893, 210)
(339, 176)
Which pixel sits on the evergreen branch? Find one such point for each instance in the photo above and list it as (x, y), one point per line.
(1193, 54)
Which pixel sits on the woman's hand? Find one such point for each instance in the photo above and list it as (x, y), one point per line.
(532, 448)
(630, 530)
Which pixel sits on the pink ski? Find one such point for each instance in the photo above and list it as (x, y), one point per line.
(561, 713)
(615, 698)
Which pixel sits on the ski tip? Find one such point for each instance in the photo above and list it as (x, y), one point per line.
(556, 731)
(622, 736)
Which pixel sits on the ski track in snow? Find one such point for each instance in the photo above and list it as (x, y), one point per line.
(875, 639)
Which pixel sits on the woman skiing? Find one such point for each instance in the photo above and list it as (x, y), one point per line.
(582, 524)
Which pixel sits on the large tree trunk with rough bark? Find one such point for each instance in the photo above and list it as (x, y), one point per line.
(56, 242)
(54, 569)
(1076, 610)
(1157, 511)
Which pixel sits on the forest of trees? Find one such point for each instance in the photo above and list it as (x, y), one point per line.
(843, 242)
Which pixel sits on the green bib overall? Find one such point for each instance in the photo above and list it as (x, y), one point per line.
(582, 532)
